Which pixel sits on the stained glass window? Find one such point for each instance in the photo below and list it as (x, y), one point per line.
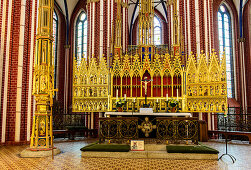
(81, 36)
(225, 43)
(157, 32)
(55, 44)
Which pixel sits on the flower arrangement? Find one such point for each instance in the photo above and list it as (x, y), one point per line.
(119, 104)
(173, 105)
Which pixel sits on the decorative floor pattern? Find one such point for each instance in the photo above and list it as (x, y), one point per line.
(71, 159)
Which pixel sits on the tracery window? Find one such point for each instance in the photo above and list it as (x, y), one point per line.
(226, 43)
(81, 36)
(55, 44)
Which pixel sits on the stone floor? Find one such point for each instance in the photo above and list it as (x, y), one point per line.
(70, 158)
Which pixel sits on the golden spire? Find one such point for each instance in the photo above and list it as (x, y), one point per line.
(146, 15)
(175, 22)
(117, 45)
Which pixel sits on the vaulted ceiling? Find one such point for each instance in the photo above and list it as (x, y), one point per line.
(132, 3)
(158, 3)
(70, 6)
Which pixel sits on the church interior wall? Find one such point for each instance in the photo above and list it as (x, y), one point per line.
(10, 98)
(15, 73)
(10, 48)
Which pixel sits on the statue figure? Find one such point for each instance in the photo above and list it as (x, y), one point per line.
(146, 81)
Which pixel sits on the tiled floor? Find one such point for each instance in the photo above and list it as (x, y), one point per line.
(71, 159)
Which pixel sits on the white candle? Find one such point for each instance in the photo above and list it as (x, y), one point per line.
(134, 100)
(108, 102)
(157, 100)
(167, 97)
(117, 94)
(177, 93)
(125, 96)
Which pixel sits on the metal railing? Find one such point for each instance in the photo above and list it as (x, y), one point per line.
(62, 121)
(236, 120)
(127, 128)
(174, 129)
(124, 128)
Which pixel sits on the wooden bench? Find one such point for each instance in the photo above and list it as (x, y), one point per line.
(229, 133)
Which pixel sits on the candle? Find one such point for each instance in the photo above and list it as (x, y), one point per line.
(177, 94)
(108, 102)
(167, 97)
(134, 100)
(117, 94)
(157, 100)
(125, 96)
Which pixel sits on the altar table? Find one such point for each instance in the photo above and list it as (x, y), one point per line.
(147, 114)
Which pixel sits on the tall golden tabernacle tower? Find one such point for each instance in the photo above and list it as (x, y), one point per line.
(43, 80)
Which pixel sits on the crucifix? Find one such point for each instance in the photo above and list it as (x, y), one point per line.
(146, 81)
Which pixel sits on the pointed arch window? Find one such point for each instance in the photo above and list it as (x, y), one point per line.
(226, 43)
(55, 44)
(157, 31)
(81, 36)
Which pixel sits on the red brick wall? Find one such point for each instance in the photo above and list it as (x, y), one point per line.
(1, 17)
(192, 26)
(61, 55)
(97, 30)
(105, 31)
(13, 65)
(4, 58)
(202, 25)
(26, 67)
(247, 53)
(186, 30)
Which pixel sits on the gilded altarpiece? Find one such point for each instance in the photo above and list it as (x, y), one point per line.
(199, 85)
(90, 86)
